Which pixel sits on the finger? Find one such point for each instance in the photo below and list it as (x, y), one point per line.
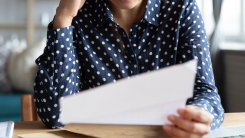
(197, 115)
(177, 132)
(190, 126)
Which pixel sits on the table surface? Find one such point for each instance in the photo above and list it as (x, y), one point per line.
(231, 119)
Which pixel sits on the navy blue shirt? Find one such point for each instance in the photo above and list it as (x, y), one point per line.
(95, 50)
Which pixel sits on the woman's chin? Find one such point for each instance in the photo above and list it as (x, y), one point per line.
(124, 0)
(125, 4)
(125, 7)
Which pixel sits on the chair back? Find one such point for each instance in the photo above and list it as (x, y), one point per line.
(28, 109)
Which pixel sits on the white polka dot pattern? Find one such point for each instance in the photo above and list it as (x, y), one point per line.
(95, 50)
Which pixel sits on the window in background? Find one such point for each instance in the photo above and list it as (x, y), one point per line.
(232, 20)
(233, 25)
(206, 9)
(243, 19)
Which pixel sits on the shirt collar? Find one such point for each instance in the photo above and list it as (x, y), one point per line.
(102, 12)
(152, 12)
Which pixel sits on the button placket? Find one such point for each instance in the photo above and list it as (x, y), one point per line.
(133, 33)
(133, 38)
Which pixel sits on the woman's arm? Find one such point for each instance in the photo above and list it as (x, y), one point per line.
(59, 69)
(66, 11)
(55, 77)
(204, 110)
(193, 44)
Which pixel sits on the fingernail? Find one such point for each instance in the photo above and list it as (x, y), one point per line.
(167, 127)
(171, 118)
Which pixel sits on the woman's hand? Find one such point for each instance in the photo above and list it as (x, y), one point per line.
(66, 11)
(193, 122)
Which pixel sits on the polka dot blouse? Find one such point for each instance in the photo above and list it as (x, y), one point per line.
(95, 50)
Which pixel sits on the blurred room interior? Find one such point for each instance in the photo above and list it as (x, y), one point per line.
(23, 28)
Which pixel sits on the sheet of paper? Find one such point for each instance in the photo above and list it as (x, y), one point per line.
(6, 129)
(145, 99)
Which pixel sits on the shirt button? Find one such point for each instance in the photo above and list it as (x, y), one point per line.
(133, 33)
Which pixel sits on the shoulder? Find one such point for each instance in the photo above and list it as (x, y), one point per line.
(181, 4)
(178, 8)
(178, 1)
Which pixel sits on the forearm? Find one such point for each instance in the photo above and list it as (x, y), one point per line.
(55, 77)
(207, 98)
(65, 12)
(61, 21)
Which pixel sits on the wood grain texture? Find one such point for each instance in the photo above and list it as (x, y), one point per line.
(117, 130)
(231, 119)
(28, 109)
(54, 134)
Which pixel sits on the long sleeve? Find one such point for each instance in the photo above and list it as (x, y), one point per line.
(95, 51)
(58, 74)
(193, 44)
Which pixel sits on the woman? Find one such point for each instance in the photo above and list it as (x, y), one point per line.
(94, 42)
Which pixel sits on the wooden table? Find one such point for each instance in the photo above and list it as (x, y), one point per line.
(231, 119)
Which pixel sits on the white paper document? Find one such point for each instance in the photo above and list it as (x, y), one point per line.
(6, 129)
(145, 99)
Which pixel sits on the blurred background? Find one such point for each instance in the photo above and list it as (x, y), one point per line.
(23, 26)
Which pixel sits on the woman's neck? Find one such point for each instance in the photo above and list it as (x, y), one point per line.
(127, 17)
